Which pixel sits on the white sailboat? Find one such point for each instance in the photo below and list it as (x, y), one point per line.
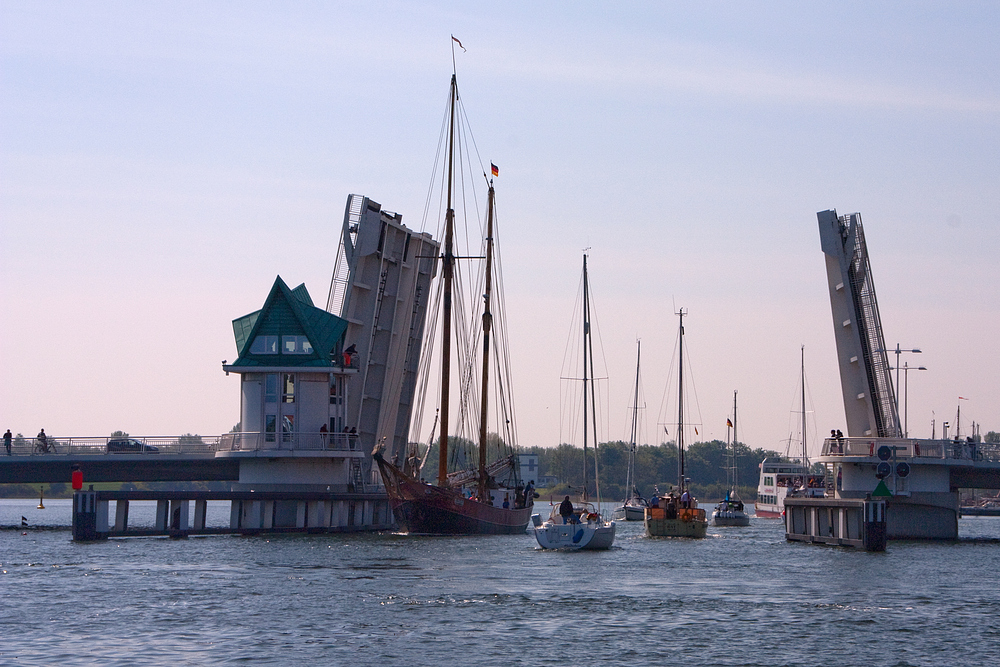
(633, 508)
(730, 510)
(580, 525)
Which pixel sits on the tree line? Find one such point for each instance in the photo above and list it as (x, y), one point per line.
(706, 466)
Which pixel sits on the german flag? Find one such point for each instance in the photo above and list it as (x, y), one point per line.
(495, 169)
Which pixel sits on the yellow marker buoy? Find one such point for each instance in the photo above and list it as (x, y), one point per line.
(41, 493)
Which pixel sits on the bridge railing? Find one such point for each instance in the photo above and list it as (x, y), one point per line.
(92, 446)
(256, 441)
(914, 448)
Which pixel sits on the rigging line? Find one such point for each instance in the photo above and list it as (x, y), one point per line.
(472, 136)
(694, 390)
(665, 415)
(434, 168)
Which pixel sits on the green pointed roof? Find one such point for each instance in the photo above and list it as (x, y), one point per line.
(288, 312)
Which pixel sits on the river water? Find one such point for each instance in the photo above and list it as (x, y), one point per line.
(743, 596)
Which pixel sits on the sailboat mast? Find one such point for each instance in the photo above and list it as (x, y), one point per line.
(448, 275)
(630, 473)
(680, 404)
(586, 336)
(736, 481)
(487, 325)
(593, 414)
(805, 451)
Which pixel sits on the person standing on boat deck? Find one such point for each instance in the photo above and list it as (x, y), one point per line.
(6, 441)
(566, 510)
(686, 500)
(529, 493)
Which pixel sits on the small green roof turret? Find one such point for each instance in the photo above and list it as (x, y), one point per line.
(288, 331)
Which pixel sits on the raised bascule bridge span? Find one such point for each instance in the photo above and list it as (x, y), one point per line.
(880, 484)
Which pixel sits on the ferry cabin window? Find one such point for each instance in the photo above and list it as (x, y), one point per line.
(271, 388)
(296, 345)
(768, 481)
(287, 427)
(336, 391)
(270, 422)
(287, 387)
(264, 345)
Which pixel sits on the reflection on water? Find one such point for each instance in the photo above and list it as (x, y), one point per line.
(742, 596)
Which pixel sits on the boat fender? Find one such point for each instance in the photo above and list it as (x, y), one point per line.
(536, 520)
(578, 536)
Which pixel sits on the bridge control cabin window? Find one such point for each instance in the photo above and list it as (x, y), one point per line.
(264, 345)
(287, 387)
(296, 345)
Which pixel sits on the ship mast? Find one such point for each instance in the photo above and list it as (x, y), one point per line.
(680, 405)
(586, 337)
(736, 481)
(487, 325)
(805, 452)
(630, 473)
(448, 274)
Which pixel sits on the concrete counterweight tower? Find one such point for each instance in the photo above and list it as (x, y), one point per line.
(869, 397)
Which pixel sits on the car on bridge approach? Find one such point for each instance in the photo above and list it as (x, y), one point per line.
(129, 446)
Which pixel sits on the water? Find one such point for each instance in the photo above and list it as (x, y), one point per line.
(743, 596)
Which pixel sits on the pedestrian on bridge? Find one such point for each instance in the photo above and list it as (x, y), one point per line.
(6, 441)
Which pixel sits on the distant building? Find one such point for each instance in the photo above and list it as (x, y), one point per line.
(529, 468)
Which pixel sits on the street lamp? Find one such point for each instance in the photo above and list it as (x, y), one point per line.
(898, 352)
(906, 396)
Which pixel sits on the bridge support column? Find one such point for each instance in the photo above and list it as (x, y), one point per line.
(162, 514)
(121, 515)
(179, 510)
(200, 512)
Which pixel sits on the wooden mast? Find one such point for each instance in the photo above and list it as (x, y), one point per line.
(487, 325)
(448, 274)
(680, 406)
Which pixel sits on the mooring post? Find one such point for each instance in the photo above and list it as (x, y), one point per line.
(874, 533)
(84, 516)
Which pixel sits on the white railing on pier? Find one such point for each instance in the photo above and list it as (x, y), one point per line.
(963, 450)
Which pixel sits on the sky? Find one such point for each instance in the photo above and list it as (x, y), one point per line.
(161, 163)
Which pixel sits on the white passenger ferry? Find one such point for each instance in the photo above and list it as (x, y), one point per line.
(780, 478)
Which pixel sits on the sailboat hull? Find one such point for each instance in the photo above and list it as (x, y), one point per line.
(584, 536)
(629, 513)
(730, 518)
(424, 509)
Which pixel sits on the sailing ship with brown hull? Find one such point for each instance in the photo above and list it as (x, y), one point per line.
(487, 499)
